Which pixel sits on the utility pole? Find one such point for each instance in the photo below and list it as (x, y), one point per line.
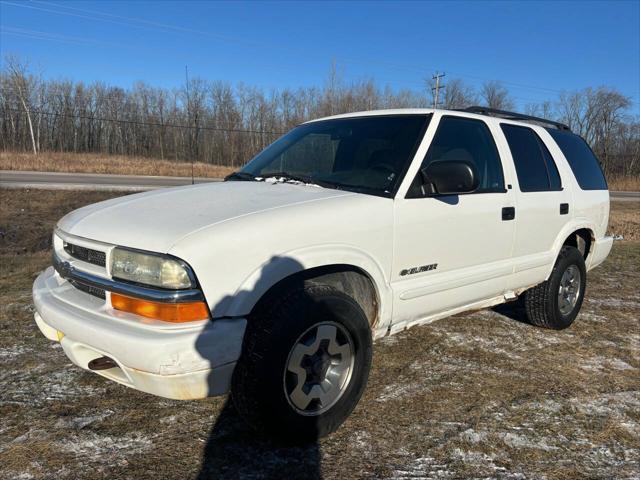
(191, 149)
(436, 89)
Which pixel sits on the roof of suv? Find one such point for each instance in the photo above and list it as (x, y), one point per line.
(472, 112)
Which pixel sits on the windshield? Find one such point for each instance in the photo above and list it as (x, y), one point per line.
(363, 154)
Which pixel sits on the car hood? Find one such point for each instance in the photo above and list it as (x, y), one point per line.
(157, 220)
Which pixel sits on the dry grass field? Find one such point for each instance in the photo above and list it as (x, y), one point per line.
(625, 184)
(114, 164)
(478, 395)
(123, 165)
(625, 220)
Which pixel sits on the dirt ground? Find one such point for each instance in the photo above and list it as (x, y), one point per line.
(479, 395)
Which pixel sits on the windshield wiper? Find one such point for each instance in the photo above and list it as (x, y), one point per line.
(241, 176)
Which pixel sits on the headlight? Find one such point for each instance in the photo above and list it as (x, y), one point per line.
(150, 269)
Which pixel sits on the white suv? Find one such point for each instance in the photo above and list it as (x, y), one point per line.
(275, 282)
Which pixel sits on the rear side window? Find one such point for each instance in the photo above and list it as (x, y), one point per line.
(552, 170)
(583, 162)
(536, 170)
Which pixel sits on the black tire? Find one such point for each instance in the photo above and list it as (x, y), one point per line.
(541, 302)
(259, 380)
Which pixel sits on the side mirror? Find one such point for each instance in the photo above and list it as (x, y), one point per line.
(449, 177)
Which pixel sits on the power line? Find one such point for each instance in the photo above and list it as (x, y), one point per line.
(148, 24)
(150, 124)
(39, 35)
(142, 23)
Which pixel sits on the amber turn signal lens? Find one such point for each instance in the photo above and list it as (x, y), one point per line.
(167, 312)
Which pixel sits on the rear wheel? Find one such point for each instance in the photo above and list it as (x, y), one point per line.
(556, 302)
(305, 363)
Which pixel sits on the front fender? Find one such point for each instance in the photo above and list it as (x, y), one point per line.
(288, 263)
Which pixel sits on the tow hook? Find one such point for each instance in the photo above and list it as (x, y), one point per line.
(102, 363)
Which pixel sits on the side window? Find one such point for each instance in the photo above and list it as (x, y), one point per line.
(536, 170)
(554, 177)
(583, 162)
(469, 140)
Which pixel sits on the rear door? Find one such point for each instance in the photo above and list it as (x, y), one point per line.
(542, 205)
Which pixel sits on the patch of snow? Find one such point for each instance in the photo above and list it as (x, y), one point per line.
(428, 372)
(78, 423)
(600, 363)
(93, 446)
(19, 306)
(362, 440)
(620, 365)
(513, 343)
(514, 440)
(395, 391)
(22, 476)
(480, 460)
(169, 419)
(592, 317)
(472, 436)
(613, 404)
(548, 406)
(631, 426)
(14, 351)
(39, 385)
(613, 302)
(422, 467)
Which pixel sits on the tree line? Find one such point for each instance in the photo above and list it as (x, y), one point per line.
(218, 123)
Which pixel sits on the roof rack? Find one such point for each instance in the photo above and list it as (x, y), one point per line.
(514, 116)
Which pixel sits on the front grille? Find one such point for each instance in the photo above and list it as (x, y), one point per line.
(96, 292)
(88, 255)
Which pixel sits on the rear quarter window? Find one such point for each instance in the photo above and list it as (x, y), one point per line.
(583, 162)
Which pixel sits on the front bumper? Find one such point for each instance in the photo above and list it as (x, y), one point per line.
(173, 361)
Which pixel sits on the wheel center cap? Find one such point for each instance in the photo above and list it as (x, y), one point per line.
(319, 367)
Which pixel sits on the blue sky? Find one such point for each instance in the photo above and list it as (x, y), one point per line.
(536, 48)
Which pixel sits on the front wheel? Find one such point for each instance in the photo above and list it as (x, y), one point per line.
(556, 302)
(305, 363)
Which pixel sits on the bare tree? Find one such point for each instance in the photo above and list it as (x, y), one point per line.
(226, 124)
(495, 95)
(458, 94)
(24, 87)
(543, 110)
(595, 114)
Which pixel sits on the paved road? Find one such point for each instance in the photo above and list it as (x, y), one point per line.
(96, 181)
(91, 181)
(626, 196)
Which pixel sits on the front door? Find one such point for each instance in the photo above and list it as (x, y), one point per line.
(453, 251)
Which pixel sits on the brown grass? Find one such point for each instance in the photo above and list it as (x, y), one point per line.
(624, 219)
(114, 164)
(477, 395)
(624, 184)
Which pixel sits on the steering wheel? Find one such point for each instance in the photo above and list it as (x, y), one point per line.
(384, 167)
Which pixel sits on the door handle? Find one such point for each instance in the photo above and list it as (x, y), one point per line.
(564, 208)
(508, 213)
